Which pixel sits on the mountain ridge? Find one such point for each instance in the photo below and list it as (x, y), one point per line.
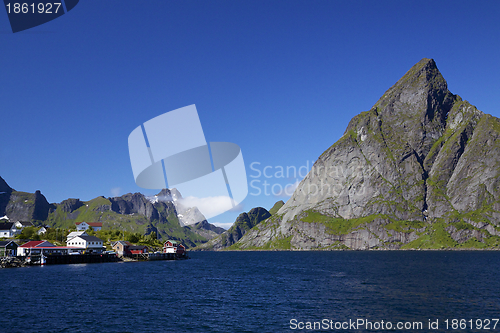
(244, 222)
(132, 212)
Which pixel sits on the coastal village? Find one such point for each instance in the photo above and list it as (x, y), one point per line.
(79, 246)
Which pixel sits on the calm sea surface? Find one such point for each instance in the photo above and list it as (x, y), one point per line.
(254, 292)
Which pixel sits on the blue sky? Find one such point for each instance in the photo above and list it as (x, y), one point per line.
(279, 78)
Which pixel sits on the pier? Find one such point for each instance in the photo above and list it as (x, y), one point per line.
(62, 259)
(157, 256)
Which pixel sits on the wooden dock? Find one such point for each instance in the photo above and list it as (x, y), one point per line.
(156, 256)
(62, 259)
(74, 259)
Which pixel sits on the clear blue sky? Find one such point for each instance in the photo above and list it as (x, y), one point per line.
(279, 78)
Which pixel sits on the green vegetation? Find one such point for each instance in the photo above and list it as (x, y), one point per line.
(404, 226)
(113, 235)
(473, 243)
(432, 234)
(29, 233)
(435, 237)
(479, 215)
(282, 243)
(338, 226)
(276, 207)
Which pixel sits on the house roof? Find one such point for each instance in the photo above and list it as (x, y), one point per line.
(6, 226)
(75, 234)
(90, 238)
(172, 241)
(60, 247)
(25, 224)
(137, 247)
(5, 243)
(92, 224)
(124, 243)
(37, 244)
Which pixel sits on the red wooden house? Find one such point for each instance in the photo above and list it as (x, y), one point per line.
(172, 246)
(138, 249)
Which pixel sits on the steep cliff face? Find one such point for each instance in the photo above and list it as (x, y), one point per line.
(418, 170)
(5, 192)
(23, 206)
(137, 203)
(70, 205)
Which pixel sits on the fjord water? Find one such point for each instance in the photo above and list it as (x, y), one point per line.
(251, 291)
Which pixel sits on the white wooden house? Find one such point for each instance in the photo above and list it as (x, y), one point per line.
(83, 226)
(7, 230)
(90, 243)
(43, 230)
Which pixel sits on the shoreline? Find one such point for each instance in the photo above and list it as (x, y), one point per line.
(351, 250)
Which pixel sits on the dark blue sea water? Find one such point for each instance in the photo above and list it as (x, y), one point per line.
(254, 292)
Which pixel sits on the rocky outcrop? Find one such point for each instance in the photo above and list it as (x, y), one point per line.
(415, 171)
(4, 187)
(135, 203)
(23, 206)
(42, 207)
(70, 205)
(5, 192)
(243, 223)
(277, 206)
(206, 230)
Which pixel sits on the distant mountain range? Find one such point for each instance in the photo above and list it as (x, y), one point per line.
(161, 213)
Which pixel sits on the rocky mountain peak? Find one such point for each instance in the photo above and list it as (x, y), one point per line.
(5, 192)
(420, 169)
(165, 195)
(4, 187)
(422, 80)
(411, 115)
(415, 108)
(70, 205)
